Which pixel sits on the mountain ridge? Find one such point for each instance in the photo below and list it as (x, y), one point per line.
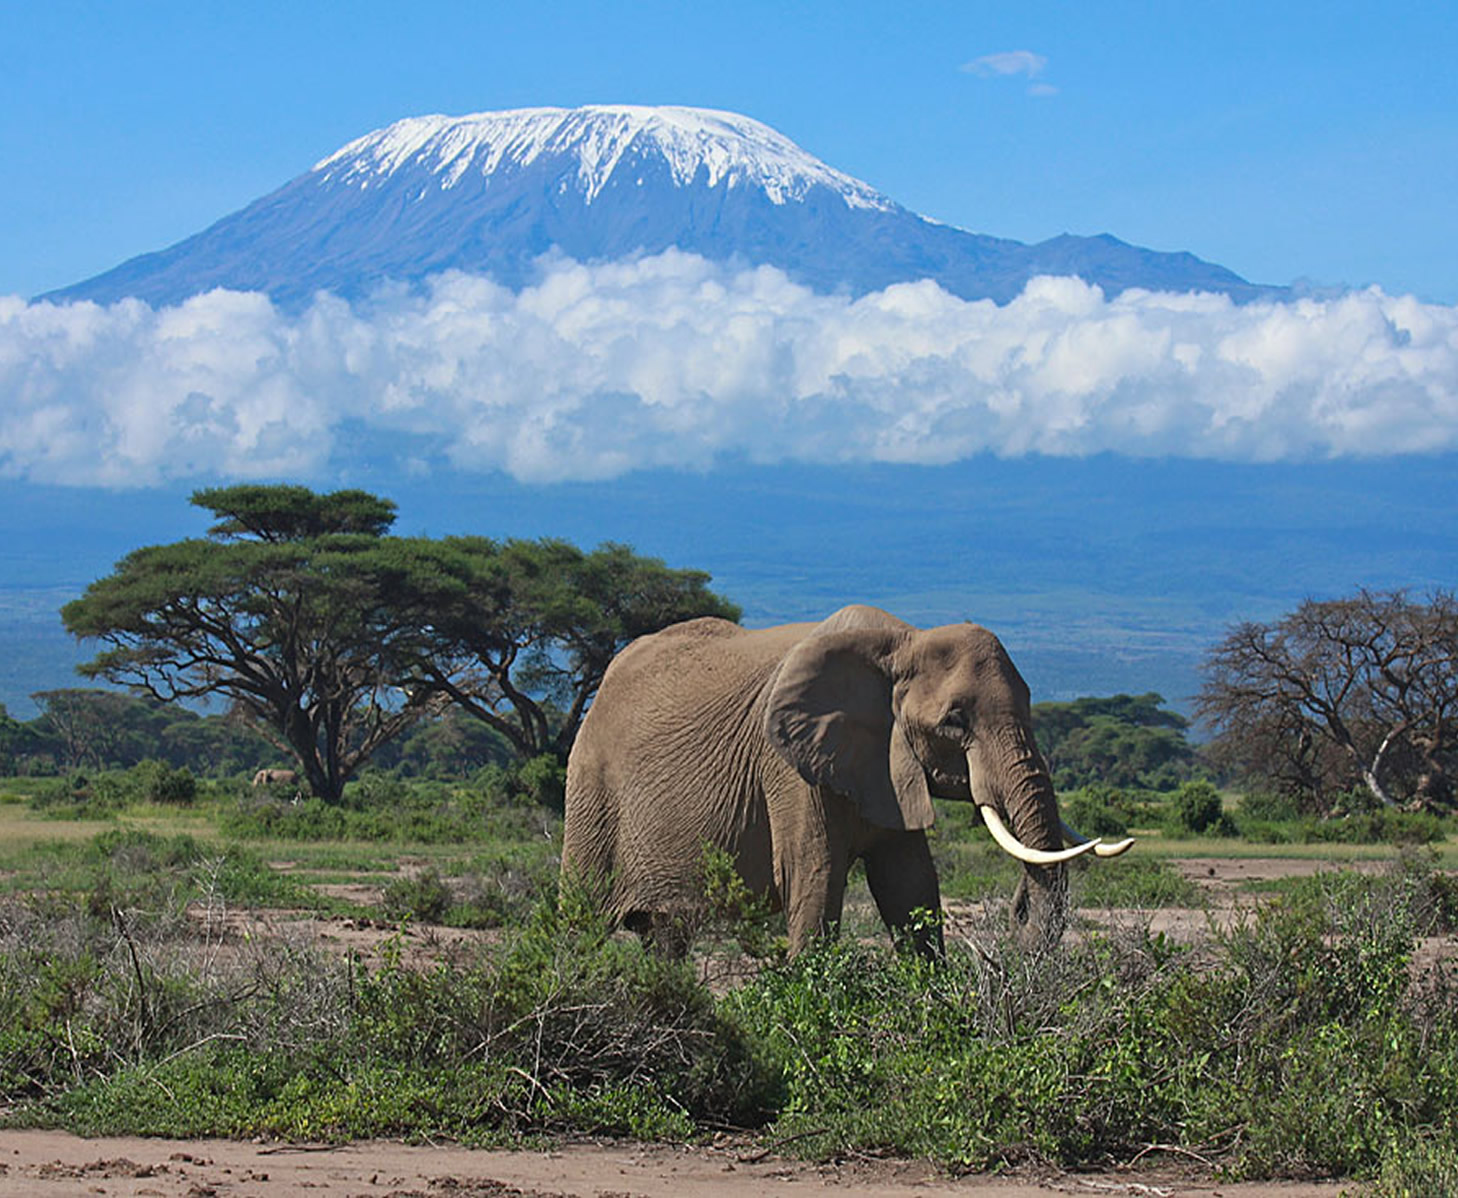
(493, 193)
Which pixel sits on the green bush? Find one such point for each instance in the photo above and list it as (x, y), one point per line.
(1300, 1030)
(1383, 826)
(1198, 810)
(80, 795)
(544, 781)
(424, 897)
(1419, 1167)
(155, 781)
(1302, 1041)
(1133, 880)
(1261, 807)
(563, 1028)
(496, 805)
(1096, 811)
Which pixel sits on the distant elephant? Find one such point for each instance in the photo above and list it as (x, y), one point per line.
(798, 750)
(276, 777)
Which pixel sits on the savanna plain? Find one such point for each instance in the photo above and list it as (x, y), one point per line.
(210, 987)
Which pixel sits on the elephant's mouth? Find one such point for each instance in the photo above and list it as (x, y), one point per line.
(946, 785)
(945, 764)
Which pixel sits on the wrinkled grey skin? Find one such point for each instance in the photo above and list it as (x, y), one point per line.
(272, 777)
(799, 750)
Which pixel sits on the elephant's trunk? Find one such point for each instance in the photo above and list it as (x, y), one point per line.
(1009, 780)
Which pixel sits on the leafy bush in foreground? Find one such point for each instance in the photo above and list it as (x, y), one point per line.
(1290, 1051)
(120, 1024)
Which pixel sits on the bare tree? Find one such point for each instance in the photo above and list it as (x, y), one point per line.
(1373, 677)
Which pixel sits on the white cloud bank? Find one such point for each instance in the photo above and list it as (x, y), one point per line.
(675, 361)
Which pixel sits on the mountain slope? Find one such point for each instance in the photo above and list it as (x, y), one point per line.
(492, 192)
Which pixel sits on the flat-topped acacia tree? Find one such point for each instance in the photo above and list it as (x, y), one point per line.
(284, 610)
(521, 632)
(330, 636)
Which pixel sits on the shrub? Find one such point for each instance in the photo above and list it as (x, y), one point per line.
(1133, 880)
(80, 795)
(1198, 810)
(154, 781)
(543, 780)
(381, 807)
(1418, 1167)
(1383, 826)
(1300, 1041)
(1265, 807)
(563, 1028)
(1096, 811)
(424, 897)
(1298, 1029)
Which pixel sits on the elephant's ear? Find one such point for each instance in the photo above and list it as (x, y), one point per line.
(830, 717)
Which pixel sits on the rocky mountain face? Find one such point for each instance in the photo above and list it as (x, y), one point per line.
(494, 192)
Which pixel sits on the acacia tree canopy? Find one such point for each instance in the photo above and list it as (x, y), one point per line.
(285, 612)
(521, 632)
(97, 728)
(16, 739)
(290, 513)
(1359, 690)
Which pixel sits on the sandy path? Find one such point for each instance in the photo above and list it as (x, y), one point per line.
(44, 1164)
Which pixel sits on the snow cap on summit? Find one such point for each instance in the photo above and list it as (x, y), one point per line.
(727, 147)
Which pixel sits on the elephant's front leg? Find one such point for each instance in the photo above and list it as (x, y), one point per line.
(812, 849)
(903, 882)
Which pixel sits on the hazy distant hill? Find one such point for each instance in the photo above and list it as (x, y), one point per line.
(1101, 574)
(492, 192)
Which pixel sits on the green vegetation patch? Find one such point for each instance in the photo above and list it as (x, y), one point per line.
(1428, 895)
(130, 867)
(1296, 1046)
(1382, 826)
(1133, 880)
(971, 868)
(565, 1028)
(498, 804)
(1300, 1042)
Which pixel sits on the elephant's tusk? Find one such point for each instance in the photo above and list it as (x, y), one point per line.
(1011, 845)
(1100, 848)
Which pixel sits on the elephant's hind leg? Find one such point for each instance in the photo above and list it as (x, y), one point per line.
(903, 882)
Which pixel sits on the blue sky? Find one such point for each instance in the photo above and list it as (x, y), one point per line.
(1312, 141)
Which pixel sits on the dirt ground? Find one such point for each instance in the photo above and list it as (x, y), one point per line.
(51, 1164)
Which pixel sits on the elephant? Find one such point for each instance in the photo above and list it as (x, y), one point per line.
(798, 750)
(276, 777)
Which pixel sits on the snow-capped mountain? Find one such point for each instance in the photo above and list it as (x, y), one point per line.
(493, 192)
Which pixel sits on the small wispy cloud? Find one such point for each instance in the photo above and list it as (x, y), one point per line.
(1011, 63)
